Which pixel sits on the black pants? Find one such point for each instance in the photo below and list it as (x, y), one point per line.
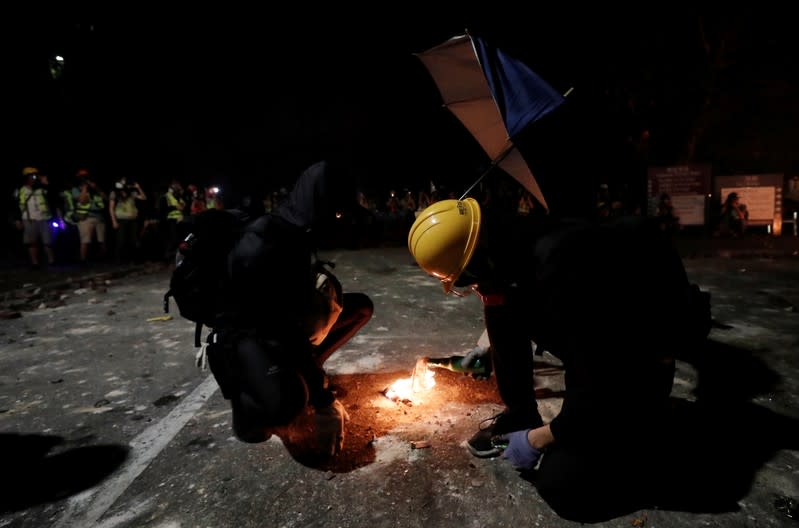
(172, 236)
(612, 410)
(591, 485)
(265, 381)
(127, 240)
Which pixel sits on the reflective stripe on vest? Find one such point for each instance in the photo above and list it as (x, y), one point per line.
(126, 209)
(94, 205)
(29, 198)
(174, 214)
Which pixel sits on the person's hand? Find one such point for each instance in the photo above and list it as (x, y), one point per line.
(115, 224)
(473, 355)
(329, 423)
(519, 451)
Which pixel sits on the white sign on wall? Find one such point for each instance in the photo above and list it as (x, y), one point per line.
(690, 208)
(759, 202)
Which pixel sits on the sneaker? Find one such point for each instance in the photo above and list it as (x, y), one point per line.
(482, 445)
(485, 442)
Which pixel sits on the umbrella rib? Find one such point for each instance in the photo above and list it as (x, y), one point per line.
(463, 101)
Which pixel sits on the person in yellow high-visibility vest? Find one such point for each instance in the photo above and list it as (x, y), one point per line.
(36, 213)
(175, 211)
(212, 198)
(124, 218)
(90, 212)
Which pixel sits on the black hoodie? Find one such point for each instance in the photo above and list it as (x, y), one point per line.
(270, 267)
(270, 270)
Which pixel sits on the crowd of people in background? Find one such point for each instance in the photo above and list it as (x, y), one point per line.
(78, 221)
(88, 220)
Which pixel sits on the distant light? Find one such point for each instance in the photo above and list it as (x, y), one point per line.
(56, 66)
(55, 224)
(338, 215)
(214, 190)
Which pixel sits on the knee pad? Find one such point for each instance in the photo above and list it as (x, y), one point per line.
(282, 398)
(271, 390)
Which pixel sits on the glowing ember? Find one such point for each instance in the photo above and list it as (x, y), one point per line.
(405, 389)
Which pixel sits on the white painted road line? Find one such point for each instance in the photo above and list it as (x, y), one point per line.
(86, 508)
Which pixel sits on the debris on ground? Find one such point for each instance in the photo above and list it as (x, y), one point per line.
(787, 506)
(160, 318)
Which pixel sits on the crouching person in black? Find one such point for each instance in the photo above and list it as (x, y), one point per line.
(614, 303)
(269, 352)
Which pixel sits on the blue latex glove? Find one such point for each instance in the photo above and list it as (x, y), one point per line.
(519, 451)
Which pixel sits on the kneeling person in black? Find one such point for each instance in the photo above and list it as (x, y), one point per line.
(612, 301)
(268, 352)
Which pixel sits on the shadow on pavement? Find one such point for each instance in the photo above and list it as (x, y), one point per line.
(32, 476)
(703, 459)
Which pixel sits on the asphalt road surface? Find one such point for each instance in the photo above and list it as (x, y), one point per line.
(106, 421)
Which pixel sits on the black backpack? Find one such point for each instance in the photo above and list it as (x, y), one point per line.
(200, 283)
(200, 279)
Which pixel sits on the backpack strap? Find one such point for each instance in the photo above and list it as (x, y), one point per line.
(316, 261)
(198, 332)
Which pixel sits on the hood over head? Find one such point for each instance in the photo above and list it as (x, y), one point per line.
(321, 191)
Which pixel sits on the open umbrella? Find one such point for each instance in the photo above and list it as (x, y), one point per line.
(495, 96)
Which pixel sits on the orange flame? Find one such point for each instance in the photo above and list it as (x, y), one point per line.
(410, 389)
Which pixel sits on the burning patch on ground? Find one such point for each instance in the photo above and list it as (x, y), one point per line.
(373, 415)
(415, 388)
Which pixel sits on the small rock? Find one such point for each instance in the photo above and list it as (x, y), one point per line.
(110, 312)
(94, 300)
(10, 314)
(81, 291)
(42, 306)
(63, 297)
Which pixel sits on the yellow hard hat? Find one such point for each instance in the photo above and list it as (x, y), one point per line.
(443, 238)
(27, 171)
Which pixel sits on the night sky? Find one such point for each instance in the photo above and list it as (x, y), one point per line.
(251, 97)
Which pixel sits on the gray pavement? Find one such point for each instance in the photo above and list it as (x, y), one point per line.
(106, 421)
